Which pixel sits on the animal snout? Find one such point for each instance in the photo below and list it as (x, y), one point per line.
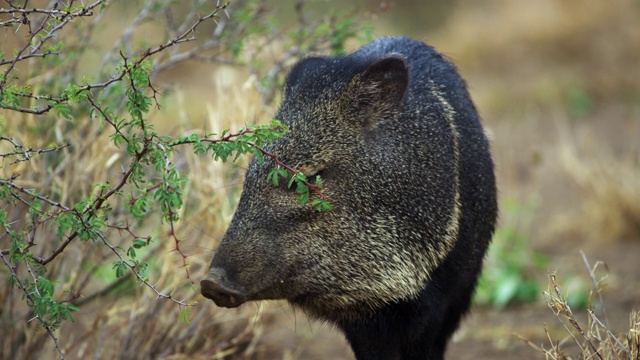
(214, 288)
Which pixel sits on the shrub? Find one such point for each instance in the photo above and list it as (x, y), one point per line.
(92, 192)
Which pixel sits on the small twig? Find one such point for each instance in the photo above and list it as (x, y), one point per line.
(290, 169)
(51, 12)
(143, 280)
(610, 335)
(597, 288)
(231, 136)
(596, 285)
(560, 308)
(128, 32)
(28, 56)
(27, 110)
(171, 214)
(58, 250)
(32, 194)
(19, 150)
(126, 228)
(107, 119)
(63, 16)
(530, 343)
(184, 37)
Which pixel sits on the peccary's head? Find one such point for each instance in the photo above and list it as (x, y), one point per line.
(388, 228)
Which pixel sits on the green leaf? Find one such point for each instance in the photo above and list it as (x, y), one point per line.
(283, 173)
(143, 270)
(139, 243)
(184, 315)
(301, 188)
(56, 47)
(321, 205)
(121, 268)
(61, 109)
(45, 286)
(303, 198)
(259, 157)
(273, 176)
(298, 178)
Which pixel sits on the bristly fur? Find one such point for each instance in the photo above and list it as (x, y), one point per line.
(393, 133)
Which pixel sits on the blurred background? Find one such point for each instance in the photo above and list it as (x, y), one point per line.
(557, 84)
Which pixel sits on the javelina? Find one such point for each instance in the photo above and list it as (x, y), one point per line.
(406, 165)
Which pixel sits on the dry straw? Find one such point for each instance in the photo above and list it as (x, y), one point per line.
(596, 340)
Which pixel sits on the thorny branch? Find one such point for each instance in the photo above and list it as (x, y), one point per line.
(291, 170)
(9, 182)
(182, 38)
(137, 274)
(172, 215)
(97, 204)
(29, 297)
(26, 153)
(42, 25)
(36, 41)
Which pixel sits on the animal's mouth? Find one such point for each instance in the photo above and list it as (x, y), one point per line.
(228, 294)
(221, 295)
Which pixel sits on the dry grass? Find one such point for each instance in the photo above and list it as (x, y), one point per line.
(609, 187)
(118, 318)
(533, 65)
(517, 54)
(597, 339)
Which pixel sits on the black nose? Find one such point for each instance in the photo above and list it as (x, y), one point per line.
(213, 288)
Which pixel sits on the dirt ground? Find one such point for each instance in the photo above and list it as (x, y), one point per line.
(491, 334)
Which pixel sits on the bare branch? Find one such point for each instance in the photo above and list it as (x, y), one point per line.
(26, 154)
(32, 194)
(28, 56)
(35, 42)
(51, 12)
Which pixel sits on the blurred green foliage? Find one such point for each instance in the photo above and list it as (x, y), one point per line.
(511, 265)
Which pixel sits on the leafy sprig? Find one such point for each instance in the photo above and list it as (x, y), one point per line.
(118, 105)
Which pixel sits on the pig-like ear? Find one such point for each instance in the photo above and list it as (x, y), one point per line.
(387, 79)
(379, 90)
(304, 72)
